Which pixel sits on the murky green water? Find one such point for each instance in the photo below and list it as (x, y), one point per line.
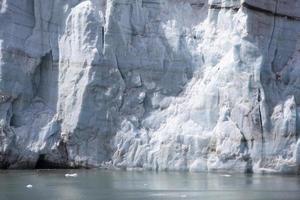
(110, 185)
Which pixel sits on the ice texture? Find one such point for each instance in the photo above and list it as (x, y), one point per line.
(195, 85)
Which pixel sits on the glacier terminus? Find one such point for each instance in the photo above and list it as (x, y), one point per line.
(185, 85)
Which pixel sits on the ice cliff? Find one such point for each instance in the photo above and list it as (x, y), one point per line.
(198, 85)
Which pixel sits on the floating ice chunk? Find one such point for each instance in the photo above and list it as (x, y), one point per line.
(71, 175)
(183, 196)
(226, 175)
(29, 186)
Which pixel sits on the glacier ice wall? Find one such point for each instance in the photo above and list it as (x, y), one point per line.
(198, 85)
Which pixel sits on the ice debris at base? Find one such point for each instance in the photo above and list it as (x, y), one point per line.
(194, 85)
(71, 175)
(226, 175)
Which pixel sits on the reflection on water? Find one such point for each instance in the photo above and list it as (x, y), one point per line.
(111, 185)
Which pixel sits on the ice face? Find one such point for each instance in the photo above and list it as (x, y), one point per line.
(163, 84)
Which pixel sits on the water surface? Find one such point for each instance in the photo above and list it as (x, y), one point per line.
(111, 185)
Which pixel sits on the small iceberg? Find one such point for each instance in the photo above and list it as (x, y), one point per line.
(71, 175)
(29, 186)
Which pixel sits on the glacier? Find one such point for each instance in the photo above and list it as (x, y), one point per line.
(193, 85)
